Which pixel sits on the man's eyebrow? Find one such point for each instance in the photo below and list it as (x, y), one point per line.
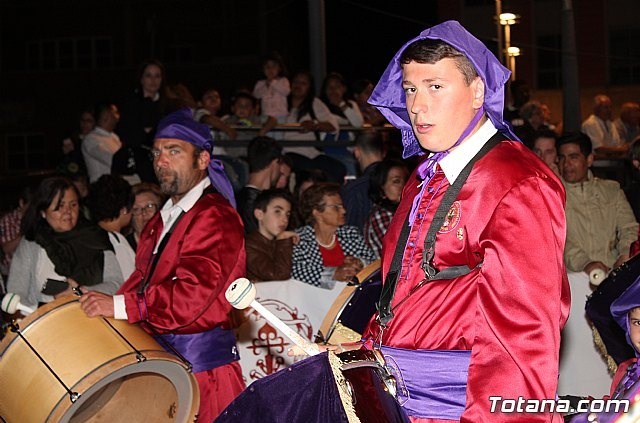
(170, 146)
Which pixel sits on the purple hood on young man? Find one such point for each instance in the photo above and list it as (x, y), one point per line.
(389, 97)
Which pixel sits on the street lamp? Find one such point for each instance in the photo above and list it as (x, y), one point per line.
(506, 20)
(512, 53)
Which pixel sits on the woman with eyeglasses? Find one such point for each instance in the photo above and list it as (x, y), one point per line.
(328, 251)
(148, 200)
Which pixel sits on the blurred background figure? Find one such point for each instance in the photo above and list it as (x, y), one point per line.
(110, 202)
(628, 124)
(544, 145)
(272, 91)
(328, 251)
(385, 189)
(72, 161)
(599, 126)
(60, 244)
(11, 232)
(148, 199)
(270, 247)
(362, 89)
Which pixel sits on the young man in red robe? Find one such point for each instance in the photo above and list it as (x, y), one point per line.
(479, 316)
(188, 255)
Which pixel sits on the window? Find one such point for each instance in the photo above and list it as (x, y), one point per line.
(25, 152)
(624, 57)
(549, 62)
(70, 54)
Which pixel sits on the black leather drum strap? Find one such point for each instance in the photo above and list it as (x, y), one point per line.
(385, 313)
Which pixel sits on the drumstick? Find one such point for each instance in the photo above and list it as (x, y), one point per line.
(11, 303)
(242, 293)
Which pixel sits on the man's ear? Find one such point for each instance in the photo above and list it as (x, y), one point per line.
(590, 159)
(478, 92)
(259, 214)
(203, 159)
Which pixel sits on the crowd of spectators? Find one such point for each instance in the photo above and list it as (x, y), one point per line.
(316, 178)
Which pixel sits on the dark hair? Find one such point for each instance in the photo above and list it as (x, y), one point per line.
(335, 109)
(580, 138)
(261, 152)
(143, 67)
(243, 94)
(313, 197)
(634, 151)
(379, 178)
(267, 196)
(308, 175)
(274, 56)
(360, 85)
(370, 142)
(544, 132)
(306, 107)
(148, 187)
(107, 196)
(49, 188)
(432, 51)
(101, 109)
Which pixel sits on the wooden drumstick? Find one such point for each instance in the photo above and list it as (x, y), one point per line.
(11, 303)
(242, 293)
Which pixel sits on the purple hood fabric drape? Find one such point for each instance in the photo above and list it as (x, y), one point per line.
(388, 96)
(181, 125)
(621, 307)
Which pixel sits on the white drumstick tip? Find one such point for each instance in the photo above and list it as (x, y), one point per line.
(242, 294)
(11, 303)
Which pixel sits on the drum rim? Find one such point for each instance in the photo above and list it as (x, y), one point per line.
(31, 319)
(363, 275)
(92, 382)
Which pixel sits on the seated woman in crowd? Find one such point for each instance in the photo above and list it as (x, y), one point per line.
(270, 247)
(385, 189)
(346, 112)
(327, 251)
(60, 245)
(148, 200)
(310, 112)
(110, 202)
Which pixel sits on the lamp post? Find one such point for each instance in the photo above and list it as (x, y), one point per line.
(512, 53)
(506, 20)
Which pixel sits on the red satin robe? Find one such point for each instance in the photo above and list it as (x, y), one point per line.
(509, 312)
(203, 256)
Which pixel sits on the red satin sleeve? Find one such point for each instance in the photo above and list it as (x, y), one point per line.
(203, 256)
(521, 307)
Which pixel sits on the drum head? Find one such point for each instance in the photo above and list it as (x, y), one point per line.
(93, 359)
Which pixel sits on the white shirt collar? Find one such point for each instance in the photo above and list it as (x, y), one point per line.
(171, 211)
(455, 161)
(190, 198)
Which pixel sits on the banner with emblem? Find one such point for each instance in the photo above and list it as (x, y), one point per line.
(262, 348)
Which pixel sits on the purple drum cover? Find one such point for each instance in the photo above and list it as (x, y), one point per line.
(306, 392)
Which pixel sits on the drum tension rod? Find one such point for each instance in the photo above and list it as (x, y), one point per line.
(139, 356)
(73, 396)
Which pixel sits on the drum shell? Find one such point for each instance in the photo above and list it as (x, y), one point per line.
(90, 358)
(355, 305)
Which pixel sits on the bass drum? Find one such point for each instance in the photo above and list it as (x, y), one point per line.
(353, 308)
(113, 382)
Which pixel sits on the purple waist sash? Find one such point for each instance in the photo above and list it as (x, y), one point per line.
(204, 350)
(432, 383)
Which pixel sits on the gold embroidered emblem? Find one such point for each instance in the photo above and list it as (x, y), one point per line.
(452, 218)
